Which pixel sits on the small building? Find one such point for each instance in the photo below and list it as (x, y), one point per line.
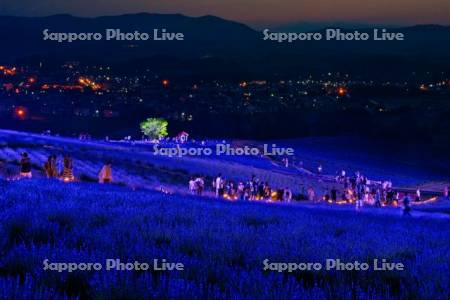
(182, 137)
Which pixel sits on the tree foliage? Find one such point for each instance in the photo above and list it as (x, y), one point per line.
(154, 128)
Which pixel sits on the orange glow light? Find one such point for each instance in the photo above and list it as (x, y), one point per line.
(423, 87)
(11, 71)
(342, 91)
(89, 83)
(20, 112)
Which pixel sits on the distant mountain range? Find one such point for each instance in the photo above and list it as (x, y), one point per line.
(314, 26)
(204, 36)
(220, 43)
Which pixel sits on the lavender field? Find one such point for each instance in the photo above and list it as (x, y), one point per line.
(221, 244)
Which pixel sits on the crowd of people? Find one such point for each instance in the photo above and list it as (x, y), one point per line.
(356, 189)
(252, 189)
(61, 169)
(359, 190)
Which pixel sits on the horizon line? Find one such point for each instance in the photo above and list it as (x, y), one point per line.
(254, 25)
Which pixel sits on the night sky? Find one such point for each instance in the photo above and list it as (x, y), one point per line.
(252, 12)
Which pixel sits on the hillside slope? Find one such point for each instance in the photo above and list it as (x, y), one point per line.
(137, 166)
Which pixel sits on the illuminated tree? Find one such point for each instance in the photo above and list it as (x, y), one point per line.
(154, 128)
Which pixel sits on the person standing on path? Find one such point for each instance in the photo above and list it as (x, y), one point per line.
(25, 166)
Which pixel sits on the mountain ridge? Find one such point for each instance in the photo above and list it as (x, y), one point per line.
(214, 37)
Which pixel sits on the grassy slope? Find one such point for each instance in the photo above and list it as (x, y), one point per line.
(136, 166)
(221, 244)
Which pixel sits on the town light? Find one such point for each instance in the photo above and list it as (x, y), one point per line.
(342, 91)
(84, 81)
(20, 113)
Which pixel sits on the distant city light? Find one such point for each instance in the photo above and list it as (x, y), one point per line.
(423, 87)
(342, 91)
(89, 83)
(20, 113)
(8, 71)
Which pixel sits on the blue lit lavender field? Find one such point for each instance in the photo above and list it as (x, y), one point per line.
(221, 244)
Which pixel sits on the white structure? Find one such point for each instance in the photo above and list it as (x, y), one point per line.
(182, 137)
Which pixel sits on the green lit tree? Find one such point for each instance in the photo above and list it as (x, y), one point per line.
(154, 128)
